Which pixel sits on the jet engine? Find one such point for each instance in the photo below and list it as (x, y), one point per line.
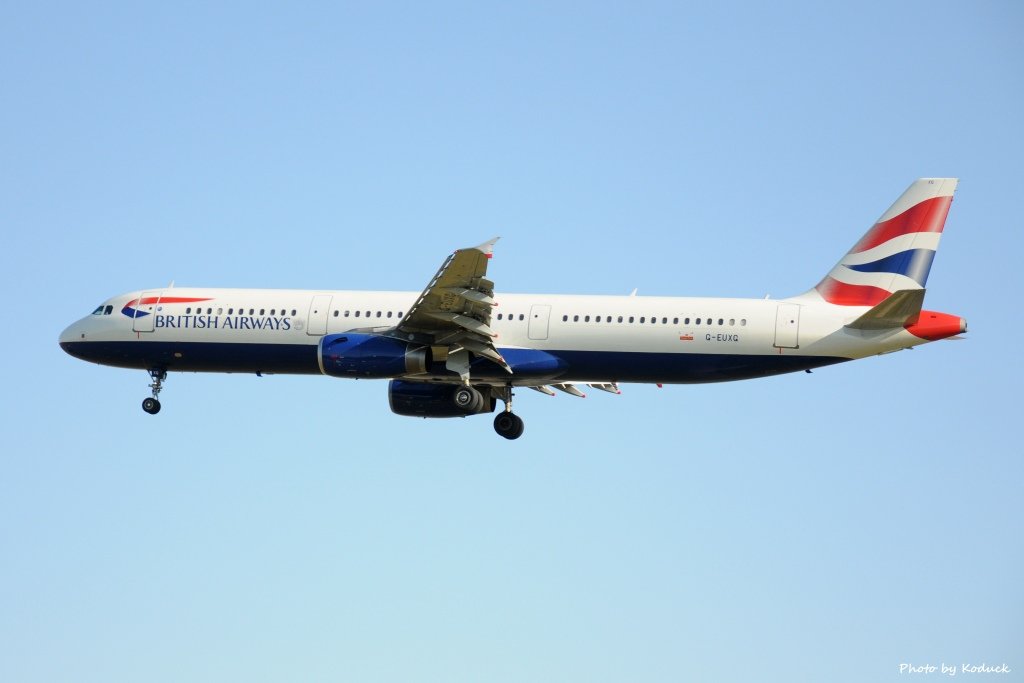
(422, 399)
(369, 356)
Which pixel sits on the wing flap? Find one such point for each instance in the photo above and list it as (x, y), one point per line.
(455, 310)
(466, 322)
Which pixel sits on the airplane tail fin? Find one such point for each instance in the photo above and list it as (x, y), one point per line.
(896, 253)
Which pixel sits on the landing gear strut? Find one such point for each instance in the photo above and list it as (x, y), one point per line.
(152, 405)
(507, 423)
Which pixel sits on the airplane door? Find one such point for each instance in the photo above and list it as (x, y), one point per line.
(787, 326)
(316, 323)
(539, 316)
(145, 308)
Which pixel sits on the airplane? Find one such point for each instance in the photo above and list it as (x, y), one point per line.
(458, 347)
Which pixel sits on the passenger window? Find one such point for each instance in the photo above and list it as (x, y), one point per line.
(743, 322)
(620, 318)
(630, 318)
(522, 317)
(675, 321)
(575, 318)
(686, 321)
(664, 321)
(399, 314)
(732, 321)
(220, 311)
(697, 322)
(720, 321)
(188, 311)
(499, 316)
(565, 318)
(347, 313)
(262, 311)
(335, 314)
(643, 319)
(586, 318)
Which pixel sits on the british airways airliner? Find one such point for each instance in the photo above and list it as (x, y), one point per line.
(458, 347)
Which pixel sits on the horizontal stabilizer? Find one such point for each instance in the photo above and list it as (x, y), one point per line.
(898, 310)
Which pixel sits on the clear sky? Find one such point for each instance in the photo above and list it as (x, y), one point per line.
(828, 526)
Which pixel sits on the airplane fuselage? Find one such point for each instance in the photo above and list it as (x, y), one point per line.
(593, 338)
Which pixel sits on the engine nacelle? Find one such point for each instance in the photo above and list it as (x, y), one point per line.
(422, 399)
(369, 355)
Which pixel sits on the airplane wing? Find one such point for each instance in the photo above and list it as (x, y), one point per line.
(453, 314)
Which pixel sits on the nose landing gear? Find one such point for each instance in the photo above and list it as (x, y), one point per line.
(152, 405)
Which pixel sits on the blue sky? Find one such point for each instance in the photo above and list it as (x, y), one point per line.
(805, 527)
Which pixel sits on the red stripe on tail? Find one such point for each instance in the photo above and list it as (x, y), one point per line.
(842, 294)
(928, 216)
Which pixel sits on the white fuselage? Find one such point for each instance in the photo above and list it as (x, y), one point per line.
(602, 338)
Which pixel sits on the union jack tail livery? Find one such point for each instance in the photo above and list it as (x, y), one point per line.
(896, 253)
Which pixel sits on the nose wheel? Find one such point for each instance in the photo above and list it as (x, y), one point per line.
(152, 405)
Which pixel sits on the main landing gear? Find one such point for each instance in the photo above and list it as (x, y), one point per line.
(468, 399)
(152, 405)
(507, 423)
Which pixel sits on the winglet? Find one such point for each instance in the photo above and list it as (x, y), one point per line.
(488, 247)
(900, 309)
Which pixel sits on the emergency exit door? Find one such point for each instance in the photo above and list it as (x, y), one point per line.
(145, 308)
(787, 326)
(539, 316)
(316, 323)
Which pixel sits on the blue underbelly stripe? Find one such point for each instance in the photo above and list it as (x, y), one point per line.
(610, 366)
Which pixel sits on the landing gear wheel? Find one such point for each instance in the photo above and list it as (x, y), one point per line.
(152, 405)
(468, 399)
(509, 425)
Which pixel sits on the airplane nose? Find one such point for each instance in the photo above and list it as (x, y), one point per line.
(70, 335)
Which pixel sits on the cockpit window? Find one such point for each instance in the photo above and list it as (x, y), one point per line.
(108, 310)
(99, 310)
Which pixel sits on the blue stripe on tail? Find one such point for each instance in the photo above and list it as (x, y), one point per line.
(914, 263)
